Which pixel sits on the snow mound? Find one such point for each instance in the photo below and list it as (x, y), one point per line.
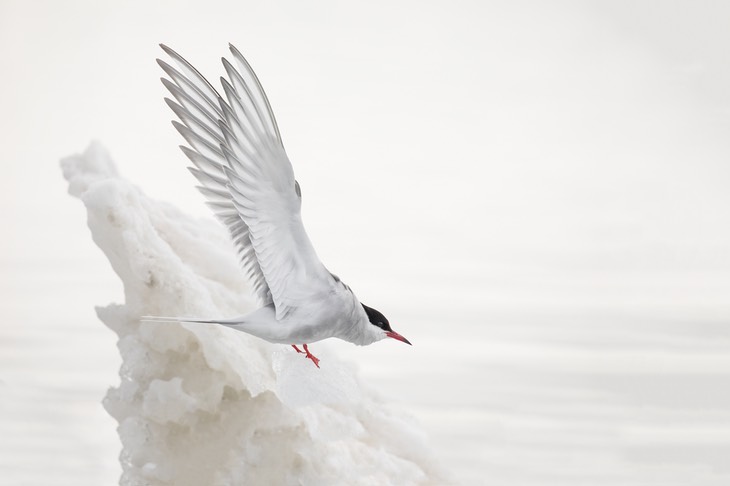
(203, 405)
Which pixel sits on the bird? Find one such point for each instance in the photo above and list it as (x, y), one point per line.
(243, 170)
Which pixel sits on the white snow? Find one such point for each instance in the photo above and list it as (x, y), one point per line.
(204, 405)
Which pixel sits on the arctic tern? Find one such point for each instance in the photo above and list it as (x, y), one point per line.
(245, 174)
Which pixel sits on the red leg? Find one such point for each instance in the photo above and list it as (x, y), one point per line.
(314, 359)
(295, 347)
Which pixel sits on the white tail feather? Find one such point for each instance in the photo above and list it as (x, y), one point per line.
(224, 322)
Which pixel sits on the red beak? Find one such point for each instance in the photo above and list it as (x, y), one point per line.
(395, 335)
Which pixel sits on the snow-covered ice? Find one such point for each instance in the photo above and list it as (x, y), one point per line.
(200, 404)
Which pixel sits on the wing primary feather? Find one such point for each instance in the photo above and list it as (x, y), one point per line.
(192, 73)
(214, 195)
(203, 147)
(235, 164)
(235, 87)
(206, 179)
(233, 142)
(210, 167)
(221, 209)
(241, 139)
(191, 104)
(246, 124)
(243, 172)
(190, 88)
(237, 90)
(192, 123)
(247, 67)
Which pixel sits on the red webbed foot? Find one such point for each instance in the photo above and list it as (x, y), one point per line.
(309, 355)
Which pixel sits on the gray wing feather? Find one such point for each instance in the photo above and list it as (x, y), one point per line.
(245, 175)
(197, 105)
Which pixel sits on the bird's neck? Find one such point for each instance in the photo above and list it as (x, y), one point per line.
(360, 331)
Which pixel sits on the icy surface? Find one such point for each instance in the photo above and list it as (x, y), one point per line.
(202, 405)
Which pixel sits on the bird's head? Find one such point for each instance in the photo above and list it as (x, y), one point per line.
(381, 325)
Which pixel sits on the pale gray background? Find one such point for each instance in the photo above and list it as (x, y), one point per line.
(536, 193)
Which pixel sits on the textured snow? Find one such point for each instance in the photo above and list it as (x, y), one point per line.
(200, 404)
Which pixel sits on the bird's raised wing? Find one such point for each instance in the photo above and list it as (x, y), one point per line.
(247, 178)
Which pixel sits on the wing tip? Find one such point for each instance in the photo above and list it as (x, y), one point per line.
(173, 105)
(168, 50)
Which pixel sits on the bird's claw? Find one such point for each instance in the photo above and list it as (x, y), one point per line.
(309, 355)
(314, 359)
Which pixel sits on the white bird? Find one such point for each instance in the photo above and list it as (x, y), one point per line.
(249, 183)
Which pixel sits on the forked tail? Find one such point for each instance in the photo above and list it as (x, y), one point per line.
(261, 323)
(224, 322)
